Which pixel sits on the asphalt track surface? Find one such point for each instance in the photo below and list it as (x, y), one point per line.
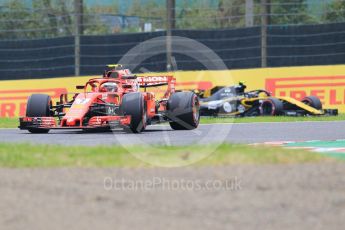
(205, 134)
(277, 197)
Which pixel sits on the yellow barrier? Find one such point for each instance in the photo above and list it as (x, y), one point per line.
(326, 82)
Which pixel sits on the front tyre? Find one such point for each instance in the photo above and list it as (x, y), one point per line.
(313, 101)
(183, 111)
(39, 105)
(271, 107)
(133, 104)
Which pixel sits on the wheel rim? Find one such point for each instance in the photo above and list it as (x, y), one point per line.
(267, 108)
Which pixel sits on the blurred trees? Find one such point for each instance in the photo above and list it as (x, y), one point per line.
(231, 13)
(54, 18)
(49, 18)
(147, 12)
(335, 12)
(13, 15)
(196, 16)
(290, 12)
(227, 13)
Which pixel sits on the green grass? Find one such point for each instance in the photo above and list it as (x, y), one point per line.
(13, 122)
(9, 122)
(26, 155)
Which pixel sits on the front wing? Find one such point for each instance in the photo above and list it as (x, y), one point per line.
(97, 122)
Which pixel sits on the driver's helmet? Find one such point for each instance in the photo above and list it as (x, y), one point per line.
(109, 87)
(240, 88)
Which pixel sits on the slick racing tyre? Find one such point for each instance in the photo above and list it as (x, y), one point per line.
(133, 104)
(38, 105)
(313, 101)
(271, 107)
(183, 111)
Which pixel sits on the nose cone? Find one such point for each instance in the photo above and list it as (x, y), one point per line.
(74, 116)
(71, 121)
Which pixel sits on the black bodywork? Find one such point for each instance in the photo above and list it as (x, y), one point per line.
(236, 101)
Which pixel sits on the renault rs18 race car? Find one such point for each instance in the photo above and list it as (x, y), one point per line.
(112, 101)
(235, 101)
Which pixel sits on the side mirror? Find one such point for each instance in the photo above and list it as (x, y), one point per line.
(80, 87)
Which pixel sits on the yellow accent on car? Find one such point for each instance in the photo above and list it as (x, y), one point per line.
(114, 65)
(302, 105)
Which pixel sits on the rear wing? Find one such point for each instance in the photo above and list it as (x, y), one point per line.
(157, 81)
(152, 81)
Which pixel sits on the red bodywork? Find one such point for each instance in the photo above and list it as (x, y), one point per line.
(75, 113)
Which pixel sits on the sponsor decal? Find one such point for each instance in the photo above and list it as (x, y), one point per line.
(82, 101)
(330, 89)
(13, 102)
(153, 79)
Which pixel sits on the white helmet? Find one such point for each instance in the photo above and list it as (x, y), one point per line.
(110, 87)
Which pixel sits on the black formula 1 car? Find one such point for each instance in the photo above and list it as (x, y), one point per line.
(235, 101)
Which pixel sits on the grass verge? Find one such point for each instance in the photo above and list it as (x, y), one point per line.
(9, 122)
(26, 155)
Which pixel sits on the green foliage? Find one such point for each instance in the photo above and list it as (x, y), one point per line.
(93, 25)
(47, 19)
(227, 13)
(286, 12)
(106, 9)
(197, 17)
(53, 18)
(231, 13)
(335, 12)
(148, 12)
(13, 15)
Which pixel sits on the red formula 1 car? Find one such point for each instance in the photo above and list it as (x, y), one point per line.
(113, 101)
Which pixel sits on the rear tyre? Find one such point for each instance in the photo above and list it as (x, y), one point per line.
(271, 107)
(313, 101)
(183, 110)
(39, 105)
(133, 104)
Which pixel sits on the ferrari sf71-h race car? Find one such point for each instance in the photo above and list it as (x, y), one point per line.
(235, 101)
(113, 101)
